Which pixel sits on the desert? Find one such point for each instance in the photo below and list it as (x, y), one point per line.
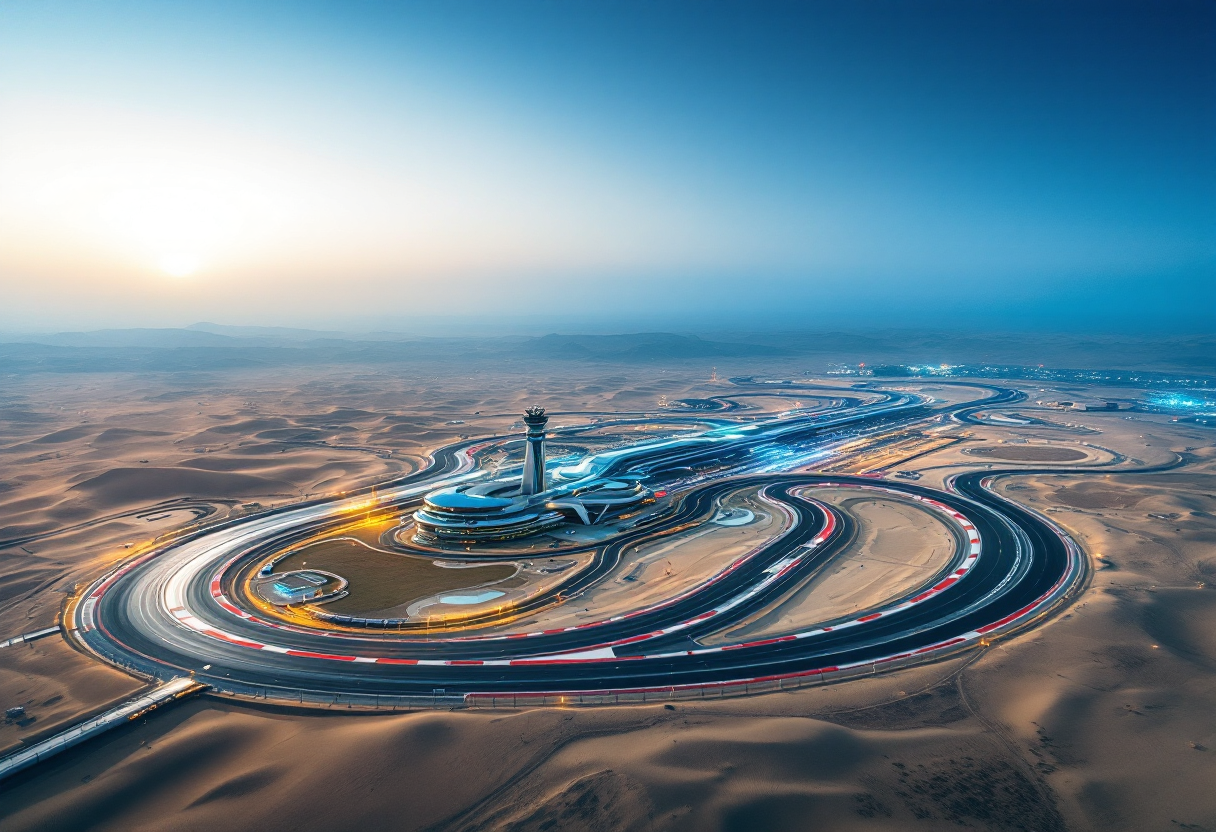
(1094, 719)
(640, 415)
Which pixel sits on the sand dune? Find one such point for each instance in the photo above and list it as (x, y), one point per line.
(1099, 720)
(65, 435)
(111, 435)
(692, 768)
(128, 486)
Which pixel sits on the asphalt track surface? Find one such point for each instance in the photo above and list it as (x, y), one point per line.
(179, 608)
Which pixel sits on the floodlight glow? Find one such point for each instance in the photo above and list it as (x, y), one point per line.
(1179, 401)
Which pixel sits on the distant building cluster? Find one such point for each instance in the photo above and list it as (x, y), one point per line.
(1112, 378)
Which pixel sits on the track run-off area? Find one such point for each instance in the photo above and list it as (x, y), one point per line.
(183, 606)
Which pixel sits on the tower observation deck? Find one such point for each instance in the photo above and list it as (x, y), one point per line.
(534, 456)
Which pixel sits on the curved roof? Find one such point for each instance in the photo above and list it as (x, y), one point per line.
(460, 501)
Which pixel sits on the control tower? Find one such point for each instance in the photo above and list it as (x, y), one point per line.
(534, 457)
(507, 508)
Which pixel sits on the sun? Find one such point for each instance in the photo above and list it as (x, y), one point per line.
(169, 227)
(179, 265)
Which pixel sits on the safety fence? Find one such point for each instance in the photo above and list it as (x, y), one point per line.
(439, 699)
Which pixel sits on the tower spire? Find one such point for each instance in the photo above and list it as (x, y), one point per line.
(533, 481)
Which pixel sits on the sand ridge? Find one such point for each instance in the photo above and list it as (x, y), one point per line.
(1097, 720)
(715, 766)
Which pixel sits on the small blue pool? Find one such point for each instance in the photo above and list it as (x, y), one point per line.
(488, 595)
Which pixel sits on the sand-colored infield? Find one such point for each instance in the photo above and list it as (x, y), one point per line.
(667, 566)
(1102, 494)
(1030, 453)
(898, 546)
(382, 580)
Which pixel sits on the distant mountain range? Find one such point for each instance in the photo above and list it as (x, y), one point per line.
(214, 347)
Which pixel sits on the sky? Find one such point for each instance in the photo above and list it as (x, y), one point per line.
(577, 165)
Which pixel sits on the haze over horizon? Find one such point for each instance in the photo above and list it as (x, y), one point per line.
(646, 166)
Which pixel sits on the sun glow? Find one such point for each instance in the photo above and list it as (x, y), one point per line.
(170, 224)
(133, 194)
(146, 195)
(179, 265)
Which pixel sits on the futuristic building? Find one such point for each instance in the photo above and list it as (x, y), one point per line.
(510, 508)
(534, 456)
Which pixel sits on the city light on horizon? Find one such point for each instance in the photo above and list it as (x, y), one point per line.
(381, 382)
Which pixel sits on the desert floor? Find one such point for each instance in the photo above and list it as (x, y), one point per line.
(1100, 719)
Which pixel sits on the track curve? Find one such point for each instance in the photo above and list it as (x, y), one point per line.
(178, 608)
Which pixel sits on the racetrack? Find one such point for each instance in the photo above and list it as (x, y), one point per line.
(182, 607)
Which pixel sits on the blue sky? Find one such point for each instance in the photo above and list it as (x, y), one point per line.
(667, 165)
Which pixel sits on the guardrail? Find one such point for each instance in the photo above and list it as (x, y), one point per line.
(393, 703)
(172, 690)
(440, 698)
(983, 636)
(1065, 589)
(709, 690)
